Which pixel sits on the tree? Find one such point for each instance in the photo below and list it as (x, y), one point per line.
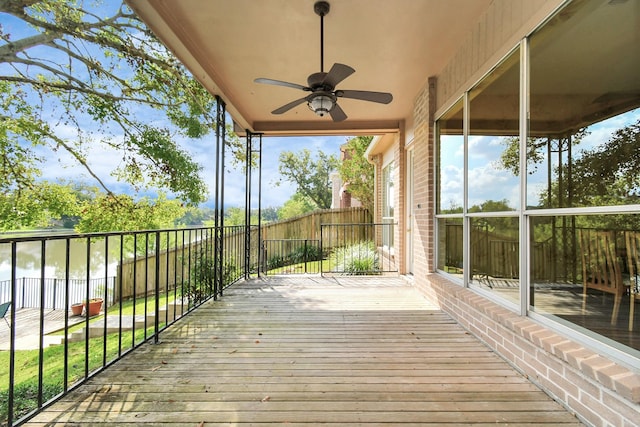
(37, 206)
(357, 173)
(83, 74)
(310, 173)
(269, 214)
(298, 204)
(608, 174)
(109, 212)
(237, 216)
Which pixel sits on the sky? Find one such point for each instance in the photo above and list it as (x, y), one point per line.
(102, 161)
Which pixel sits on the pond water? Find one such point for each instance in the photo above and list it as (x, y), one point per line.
(29, 259)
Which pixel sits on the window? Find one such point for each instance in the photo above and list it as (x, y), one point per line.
(584, 156)
(581, 183)
(450, 190)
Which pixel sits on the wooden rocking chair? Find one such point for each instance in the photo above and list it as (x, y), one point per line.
(633, 257)
(601, 268)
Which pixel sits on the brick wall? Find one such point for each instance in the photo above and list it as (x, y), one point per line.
(599, 391)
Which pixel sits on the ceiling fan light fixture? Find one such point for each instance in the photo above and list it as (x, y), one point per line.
(323, 99)
(321, 104)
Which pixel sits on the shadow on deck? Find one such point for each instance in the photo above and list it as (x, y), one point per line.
(309, 351)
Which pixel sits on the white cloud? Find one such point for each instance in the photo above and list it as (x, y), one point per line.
(487, 183)
(103, 160)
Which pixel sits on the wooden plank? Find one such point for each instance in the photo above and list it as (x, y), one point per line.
(131, 416)
(296, 352)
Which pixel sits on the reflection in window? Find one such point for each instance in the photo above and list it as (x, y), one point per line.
(450, 165)
(581, 272)
(494, 138)
(450, 190)
(495, 255)
(584, 151)
(450, 249)
(584, 148)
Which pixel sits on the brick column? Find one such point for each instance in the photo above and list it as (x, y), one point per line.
(424, 109)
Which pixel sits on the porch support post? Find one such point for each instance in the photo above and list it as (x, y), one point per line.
(259, 152)
(218, 226)
(247, 205)
(251, 154)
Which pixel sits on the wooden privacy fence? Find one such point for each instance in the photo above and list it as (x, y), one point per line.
(308, 226)
(137, 275)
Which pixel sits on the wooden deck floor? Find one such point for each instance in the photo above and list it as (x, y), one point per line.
(311, 351)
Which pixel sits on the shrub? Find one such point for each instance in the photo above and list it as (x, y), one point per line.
(275, 261)
(359, 258)
(230, 272)
(305, 253)
(202, 276)
(200, 285)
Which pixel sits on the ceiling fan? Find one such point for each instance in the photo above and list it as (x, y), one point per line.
(324, 95)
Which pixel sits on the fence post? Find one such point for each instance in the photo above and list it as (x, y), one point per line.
(55, 289)
(321, 253)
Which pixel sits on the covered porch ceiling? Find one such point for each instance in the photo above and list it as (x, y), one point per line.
(394, 46)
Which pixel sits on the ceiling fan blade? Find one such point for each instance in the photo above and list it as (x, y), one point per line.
(365, 95)
(337, 73)
(337, 114)
(281, 83)
(289, 106)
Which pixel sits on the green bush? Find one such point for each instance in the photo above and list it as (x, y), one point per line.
(200, 284)
(359, 258)
(202, 276)
(275, 262)
(305, 253)
(230, 272)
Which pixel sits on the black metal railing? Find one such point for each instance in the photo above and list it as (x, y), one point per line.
(290, 256)
(351, 249)
(28, 291)
(145, 280)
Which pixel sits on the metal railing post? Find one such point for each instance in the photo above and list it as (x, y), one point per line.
(156, 323)
(12, 336)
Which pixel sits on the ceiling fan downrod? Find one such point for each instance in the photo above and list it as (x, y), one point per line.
(323, 97)
(321, 8)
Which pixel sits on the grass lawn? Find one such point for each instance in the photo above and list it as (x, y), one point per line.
(26, 371)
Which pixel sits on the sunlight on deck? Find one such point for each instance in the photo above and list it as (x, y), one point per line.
(311, 351)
